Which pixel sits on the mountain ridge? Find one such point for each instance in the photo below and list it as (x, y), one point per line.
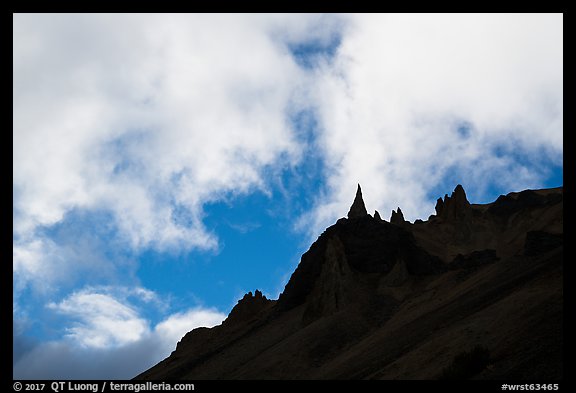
(373, 299)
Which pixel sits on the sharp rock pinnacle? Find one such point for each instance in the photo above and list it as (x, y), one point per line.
(358, 209)
(397, 217)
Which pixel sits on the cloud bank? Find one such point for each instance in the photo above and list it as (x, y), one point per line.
(152, 116)
(148, 115)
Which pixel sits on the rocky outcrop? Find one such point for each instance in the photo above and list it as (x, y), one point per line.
(397, 217)
(367, 245)
(358, 209)
(333, 290)
(377, 215)
(248, 308)
(454, 207)
(439, 206)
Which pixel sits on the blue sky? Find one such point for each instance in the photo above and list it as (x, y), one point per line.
(164, 165)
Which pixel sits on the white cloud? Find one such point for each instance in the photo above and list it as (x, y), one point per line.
(52, 263)
(109, 316)
(148, 117)
(108, 337)
(102, 321)
(400, 85)
(173, 328)
(144, 114)
(42, 262)
(141, 119)
(151, 116)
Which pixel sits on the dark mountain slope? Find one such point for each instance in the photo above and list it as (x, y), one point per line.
(377, 300)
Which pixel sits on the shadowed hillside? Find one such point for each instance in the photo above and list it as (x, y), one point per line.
(474, 292)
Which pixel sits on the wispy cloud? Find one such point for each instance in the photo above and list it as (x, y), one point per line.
(244, 227)
(102, 320)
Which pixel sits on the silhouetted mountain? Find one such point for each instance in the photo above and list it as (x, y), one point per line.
(473, 292)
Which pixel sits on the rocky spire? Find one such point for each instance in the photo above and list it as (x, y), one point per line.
(248, 307)
(454, 206)
(460, 193)
(397, 217)
(358, 209)
(439, 206)
(377, 215)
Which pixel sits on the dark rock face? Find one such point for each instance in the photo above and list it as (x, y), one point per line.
(474, 259)
(455, 206)
(377, 300)
(248, 307)
(369, 246)
(397, 217)
(507, 205)
(358, 209)
(540, 242)
(439, 206)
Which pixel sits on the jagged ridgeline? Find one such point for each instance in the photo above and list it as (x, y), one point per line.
(475, 291)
